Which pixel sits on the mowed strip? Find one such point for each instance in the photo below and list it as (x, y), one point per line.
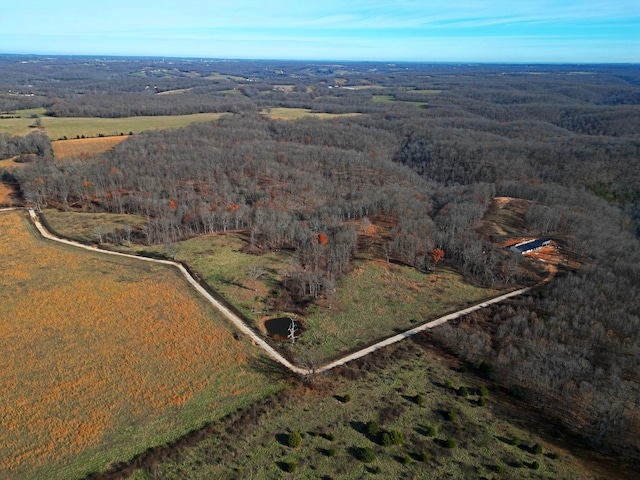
(83, 147)
(105, 357)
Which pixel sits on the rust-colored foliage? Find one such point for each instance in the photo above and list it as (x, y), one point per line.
(173, 204)
(436, 255)
(322, 239)
(370, 230)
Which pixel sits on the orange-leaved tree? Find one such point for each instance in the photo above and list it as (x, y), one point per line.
(436, 255)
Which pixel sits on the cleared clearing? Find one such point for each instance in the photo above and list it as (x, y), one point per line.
(103, 358)
(376, 299)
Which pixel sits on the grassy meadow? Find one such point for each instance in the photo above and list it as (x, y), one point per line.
(73, 127)
(22, 123)
(413, 393)
(104, 357)
(377, 299)
(392, 99)
(283, 113)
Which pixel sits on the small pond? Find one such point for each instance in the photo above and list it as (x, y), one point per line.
(278, 328)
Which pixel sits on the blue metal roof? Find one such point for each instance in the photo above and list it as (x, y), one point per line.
(530, 245)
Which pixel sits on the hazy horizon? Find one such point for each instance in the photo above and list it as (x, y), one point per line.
(542, 31)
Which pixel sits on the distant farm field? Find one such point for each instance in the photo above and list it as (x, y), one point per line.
(73, 127)
(19, 122)
(84, 146)
(282, 113)
(392, 99)
(92, 127)
(103, 357)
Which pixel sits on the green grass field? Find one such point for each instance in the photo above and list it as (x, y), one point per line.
(383, 98)
(376, 300)
(221, 263)
(282, 113)
(333, 430)
(104, 357)
(392, 99)
(72, 127)
(22, 124)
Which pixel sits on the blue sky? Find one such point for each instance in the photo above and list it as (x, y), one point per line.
(404, 30)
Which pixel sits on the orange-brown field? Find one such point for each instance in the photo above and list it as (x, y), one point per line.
(5, 195)
(104, 357)
(82, 147)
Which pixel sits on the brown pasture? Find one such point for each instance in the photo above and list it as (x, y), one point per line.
(104, 357)
(6, 193)
(83, 147)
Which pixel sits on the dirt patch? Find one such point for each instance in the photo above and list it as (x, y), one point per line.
(504, 218)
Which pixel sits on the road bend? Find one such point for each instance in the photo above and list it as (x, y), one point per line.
(257, 339)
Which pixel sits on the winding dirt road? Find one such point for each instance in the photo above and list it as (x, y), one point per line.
(253, 335)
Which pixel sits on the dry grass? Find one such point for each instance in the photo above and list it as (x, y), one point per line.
(82, 226)
(9, 164)
(6, 195)
(84, 147)
(104, 357)
(72, 127)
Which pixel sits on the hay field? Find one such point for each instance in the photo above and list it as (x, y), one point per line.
(71, 127)
(83, 147)
(104, 357)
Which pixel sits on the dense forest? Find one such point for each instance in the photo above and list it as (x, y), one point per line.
(426, 149)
